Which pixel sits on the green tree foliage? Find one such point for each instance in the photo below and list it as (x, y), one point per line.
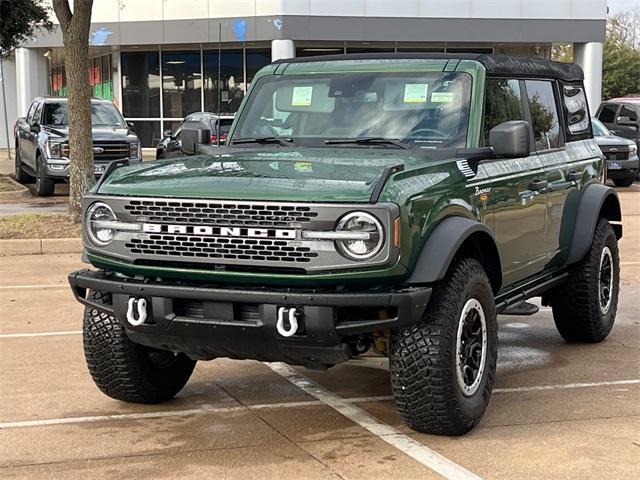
(621, 70)
(621, 65)
(19, 21)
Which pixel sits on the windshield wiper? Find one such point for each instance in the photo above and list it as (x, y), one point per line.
(287, 142)
(367, 141)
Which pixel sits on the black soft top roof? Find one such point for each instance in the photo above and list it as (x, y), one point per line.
(496, 65)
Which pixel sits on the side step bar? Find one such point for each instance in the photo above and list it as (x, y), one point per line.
(515, 300)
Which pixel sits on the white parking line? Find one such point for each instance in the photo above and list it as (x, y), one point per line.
(47, 422)
(18, 287)
(39, 334)
(416, 450)
(566, 386)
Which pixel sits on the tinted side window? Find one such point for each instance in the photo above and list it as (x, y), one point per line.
(544, 114)
(608, 113)
(576, 108)
(628, 112)
(503, 102)
(37, 114)
(32, 109)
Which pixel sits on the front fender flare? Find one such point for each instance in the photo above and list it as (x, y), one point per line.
(597, 201)
(445, 242)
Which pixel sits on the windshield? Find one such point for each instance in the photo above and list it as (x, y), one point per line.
(102, 115)
(599, 130)
(422, 110)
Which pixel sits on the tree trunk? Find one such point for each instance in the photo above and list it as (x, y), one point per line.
(75, 34)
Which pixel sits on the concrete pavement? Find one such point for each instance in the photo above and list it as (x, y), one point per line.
(558, 410)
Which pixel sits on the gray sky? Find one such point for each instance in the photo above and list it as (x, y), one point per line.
(616, 6)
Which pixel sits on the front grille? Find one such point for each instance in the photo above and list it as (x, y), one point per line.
(247, 249)
(617, 156)
(111, 150)
(220, 213)
(619, 153)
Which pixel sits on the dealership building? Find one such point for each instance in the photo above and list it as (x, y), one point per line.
(159, 60)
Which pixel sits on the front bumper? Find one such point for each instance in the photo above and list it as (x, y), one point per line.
(628, 169)
(207, 322)
(57, 169)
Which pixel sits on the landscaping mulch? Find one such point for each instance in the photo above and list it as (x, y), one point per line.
(37, 225)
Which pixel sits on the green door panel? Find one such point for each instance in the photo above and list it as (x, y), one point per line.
(519, 215)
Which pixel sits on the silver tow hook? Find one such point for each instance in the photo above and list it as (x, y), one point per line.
(139, 304)
(293, 321)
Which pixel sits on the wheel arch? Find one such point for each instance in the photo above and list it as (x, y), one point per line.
(598, 201)
(457, 236)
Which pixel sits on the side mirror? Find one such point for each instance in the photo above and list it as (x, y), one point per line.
(511, 139)
(34, 127)
(167, 132)
(627, 122)
(131, 125)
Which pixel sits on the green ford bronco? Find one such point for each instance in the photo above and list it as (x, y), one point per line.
(397, 202)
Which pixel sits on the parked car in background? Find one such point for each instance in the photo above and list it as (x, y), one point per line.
(621, 154)
(622, 117)
(42, 141)
(171, 144)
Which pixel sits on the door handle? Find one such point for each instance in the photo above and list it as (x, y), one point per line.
(538, 185)
(574, 175)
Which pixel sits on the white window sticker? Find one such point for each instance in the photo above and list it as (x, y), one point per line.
(442, 97)
(301, 96)
(415, 92)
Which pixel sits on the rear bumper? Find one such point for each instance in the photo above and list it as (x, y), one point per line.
(207, 322)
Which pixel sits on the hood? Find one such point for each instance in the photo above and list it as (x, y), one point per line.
(613, 140)
(278, 174)
(98, 133)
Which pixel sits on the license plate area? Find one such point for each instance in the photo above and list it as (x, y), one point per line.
(98, 169)
(614, 165)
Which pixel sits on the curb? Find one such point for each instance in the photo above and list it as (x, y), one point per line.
(39, 246)
(20, 193)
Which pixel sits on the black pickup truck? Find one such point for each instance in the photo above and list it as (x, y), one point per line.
(42, 141)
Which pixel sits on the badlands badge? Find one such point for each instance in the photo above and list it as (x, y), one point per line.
(483, 193)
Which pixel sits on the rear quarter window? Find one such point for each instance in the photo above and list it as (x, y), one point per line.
(576, 112)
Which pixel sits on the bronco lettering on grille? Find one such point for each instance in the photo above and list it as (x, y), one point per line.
(210, 231)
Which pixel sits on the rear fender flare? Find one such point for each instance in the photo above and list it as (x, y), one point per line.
(598, 201)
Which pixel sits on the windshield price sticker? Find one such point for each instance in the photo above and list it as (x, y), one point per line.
(415, 92)
(301, 96)
(442, 97)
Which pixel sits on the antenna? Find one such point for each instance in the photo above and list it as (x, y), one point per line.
(219, 84)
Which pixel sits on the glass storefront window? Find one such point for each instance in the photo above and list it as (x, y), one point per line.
(256, 59)
(230, 88)
(140, 84)
(148, 131)
(181, 83)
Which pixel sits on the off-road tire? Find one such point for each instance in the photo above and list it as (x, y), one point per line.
(576, 303)
(623, 182)
(20, 174)
(45, 186)
(125, 370)
(422, 357)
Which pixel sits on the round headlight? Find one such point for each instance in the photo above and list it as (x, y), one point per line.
(98, 234)
(360, 249)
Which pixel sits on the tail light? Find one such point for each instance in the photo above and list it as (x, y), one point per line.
(214, 138)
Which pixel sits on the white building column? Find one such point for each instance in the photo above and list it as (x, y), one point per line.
(589, 57)
(32, 77)
(282, 49)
